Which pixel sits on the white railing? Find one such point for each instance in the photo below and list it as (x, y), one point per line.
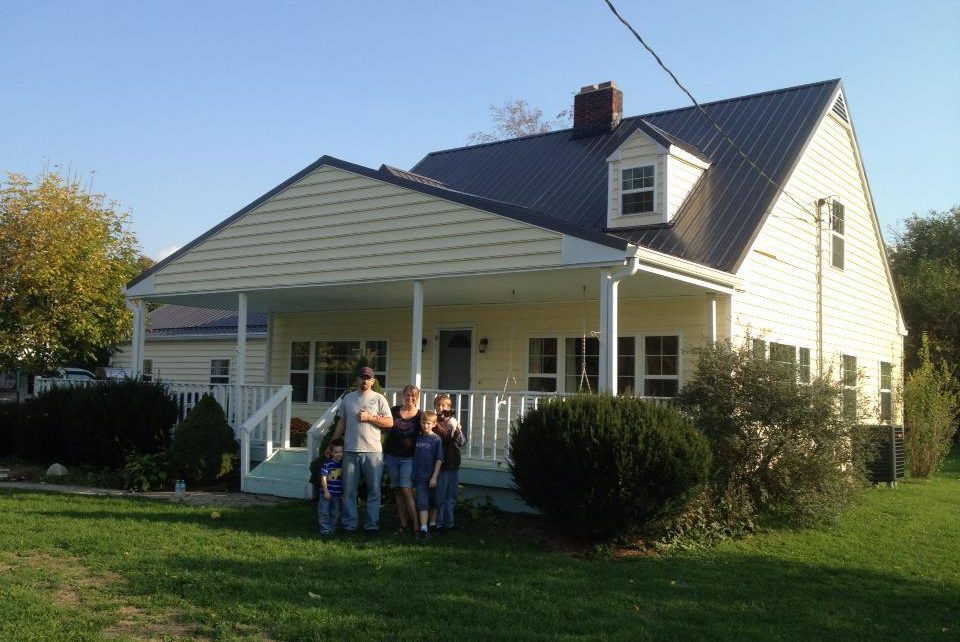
(46, 384)
(488, 416)
(320, 428)
(260, 425)
(238, 401)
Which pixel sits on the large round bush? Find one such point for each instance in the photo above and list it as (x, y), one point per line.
(203, 445)
(605, 466)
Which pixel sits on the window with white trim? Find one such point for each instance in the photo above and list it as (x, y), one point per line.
(837, 234)
(320, 371)
(300, 370)
(886, 391)
(637, 190)
(758, 348)
(803, 365)
(661, 373)
(219, 371)
(849, 386)
(542, 364)
(783, 353)
(146, 372)
(626, 366)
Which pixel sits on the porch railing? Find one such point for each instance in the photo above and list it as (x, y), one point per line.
(46, 384)
(260, 426)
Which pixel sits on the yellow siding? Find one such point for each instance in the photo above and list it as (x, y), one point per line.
(638, 150)
(508, 329)
(780, 298)
(188, 361)
(682, 176)
(325, 228)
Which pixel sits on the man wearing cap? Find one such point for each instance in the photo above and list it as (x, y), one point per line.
(364, 413)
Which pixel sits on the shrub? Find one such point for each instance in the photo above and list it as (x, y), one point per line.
(298, 431)
(204, 445)
(97, 425)
(146, 472)
(930, 413)
(603, 467)
(779, 447)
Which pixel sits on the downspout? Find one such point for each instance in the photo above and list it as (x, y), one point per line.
(609, 284)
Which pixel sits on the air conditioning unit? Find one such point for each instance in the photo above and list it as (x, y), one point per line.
(886, 460)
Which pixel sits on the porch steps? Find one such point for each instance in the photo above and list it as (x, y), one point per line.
(285, 474)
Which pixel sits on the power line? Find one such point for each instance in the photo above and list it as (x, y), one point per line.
(716, 126)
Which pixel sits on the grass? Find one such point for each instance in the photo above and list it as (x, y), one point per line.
(90, 568)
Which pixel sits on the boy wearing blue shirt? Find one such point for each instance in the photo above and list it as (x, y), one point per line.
(427, 459)
(328, 505)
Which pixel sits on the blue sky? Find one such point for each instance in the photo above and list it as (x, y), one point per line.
(187, 111)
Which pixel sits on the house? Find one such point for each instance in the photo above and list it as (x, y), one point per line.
(593, 258)
(197, 346)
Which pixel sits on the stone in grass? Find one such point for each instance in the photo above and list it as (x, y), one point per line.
(57, 470)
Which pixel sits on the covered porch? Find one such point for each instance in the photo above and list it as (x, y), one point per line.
(498, 343)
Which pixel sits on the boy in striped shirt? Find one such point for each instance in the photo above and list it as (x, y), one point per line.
(328, 505)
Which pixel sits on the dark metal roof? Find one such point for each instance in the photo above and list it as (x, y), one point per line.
(566, 178)
(179, 320)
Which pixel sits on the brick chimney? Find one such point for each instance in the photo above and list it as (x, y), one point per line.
(597, 109)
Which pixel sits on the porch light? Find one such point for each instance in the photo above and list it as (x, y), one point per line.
(484, 342)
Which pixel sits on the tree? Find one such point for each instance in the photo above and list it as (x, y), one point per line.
(65, 254)
(930, 413)
(925, 261)
(517, 118)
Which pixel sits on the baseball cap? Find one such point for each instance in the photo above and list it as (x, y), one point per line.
(367, 372)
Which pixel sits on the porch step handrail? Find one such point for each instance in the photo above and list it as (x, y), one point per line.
(281, 399)
(320, 428)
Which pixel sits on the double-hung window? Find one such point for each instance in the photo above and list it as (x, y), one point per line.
(850, 386)
(837, 234)
(542, 364)
(803, 367)
(661, 356)
(886, 391)
(582, 361)
(637, 190)
(219, 371)
(146, 373)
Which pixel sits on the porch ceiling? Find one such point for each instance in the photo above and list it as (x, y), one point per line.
(489, 289)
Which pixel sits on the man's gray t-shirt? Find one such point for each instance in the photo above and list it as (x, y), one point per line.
(363, 436)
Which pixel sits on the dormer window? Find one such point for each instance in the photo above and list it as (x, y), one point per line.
(637, 190)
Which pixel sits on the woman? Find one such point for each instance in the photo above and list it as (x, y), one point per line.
(398, 456)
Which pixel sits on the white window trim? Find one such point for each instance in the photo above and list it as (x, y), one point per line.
(881, 390)
(653, 190)
(313, 356)
(210, 374)
(558, 375)
(835, 235)
(641, 359)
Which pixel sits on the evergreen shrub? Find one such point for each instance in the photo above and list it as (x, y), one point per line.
(203, 446)
(98, 425)
(603, 467)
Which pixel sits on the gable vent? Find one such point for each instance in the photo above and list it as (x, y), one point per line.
(840, 109)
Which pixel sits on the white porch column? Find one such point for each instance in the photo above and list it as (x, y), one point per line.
(711, 317)
(136, 342)
(606, 313)
(416, 336)
(241, 364)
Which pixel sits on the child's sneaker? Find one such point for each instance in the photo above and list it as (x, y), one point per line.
(423, 535)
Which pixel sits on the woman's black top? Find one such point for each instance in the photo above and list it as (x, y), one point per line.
(402, 438)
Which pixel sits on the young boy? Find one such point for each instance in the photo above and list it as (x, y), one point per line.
(427, 459)
(328, 505)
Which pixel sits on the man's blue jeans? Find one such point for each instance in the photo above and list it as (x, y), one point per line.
(370, 465)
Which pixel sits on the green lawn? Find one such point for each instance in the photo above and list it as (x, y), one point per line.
(88, 568)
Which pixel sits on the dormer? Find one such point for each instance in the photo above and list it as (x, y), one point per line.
(650, 175)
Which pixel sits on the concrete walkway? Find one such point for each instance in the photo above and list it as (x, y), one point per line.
(192, 498)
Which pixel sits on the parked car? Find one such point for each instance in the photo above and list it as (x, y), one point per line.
(76, 374)
(112, 373)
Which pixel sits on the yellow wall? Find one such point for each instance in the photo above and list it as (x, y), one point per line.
(508, 329)
(324, 229)
(188, 361)
(780, 298)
